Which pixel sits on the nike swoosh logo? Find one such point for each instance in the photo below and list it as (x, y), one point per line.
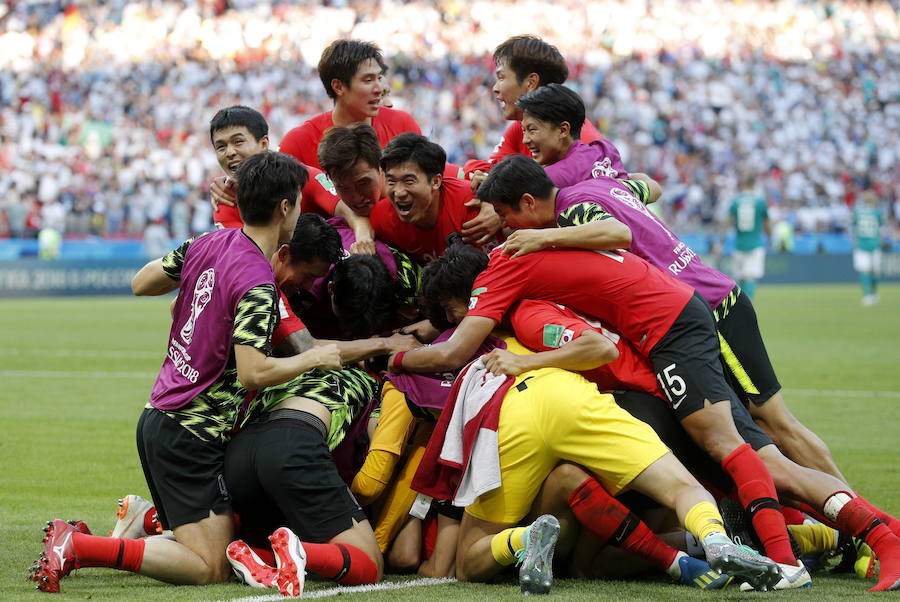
(58, 550)
(677, 403)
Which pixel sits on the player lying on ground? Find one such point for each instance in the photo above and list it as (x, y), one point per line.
(536, 323)
(533, 439)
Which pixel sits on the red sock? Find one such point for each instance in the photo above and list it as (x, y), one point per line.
(267, 555)
(856, 518)
(607, 518)
(892, 523)
(756, 492)
(348, 565)
(792, 516)
(111, 552)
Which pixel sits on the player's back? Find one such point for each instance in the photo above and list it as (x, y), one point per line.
(651, 239)
(616, 286)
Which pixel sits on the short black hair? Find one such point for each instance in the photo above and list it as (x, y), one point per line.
(342, 146)
(530, 54)
(364, 298)
(264, 179)
(341, 60)
(236, 116)
(514, 176)
(313, 239)
(409, 146)
(555, 103)
(450, 276)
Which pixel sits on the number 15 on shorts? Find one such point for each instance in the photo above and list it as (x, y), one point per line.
(672, 385)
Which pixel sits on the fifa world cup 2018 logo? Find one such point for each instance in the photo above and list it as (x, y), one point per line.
(202, 294)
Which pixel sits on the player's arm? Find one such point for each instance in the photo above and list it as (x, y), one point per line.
(362, 229)
(483, 226)
(363, 349)
(582, 226)
(254, 322)
(162, 275)
(590, 350)
(450, 354)
(645, 188)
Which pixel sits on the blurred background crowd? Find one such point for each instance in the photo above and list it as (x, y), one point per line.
(104, 106)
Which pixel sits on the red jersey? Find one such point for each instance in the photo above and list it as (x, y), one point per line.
(618, 287)
(302, 142)
(318, 197)
(425, 245)
(511, 144)
(544, 325)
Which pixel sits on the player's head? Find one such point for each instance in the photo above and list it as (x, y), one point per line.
(353, 75)
(447, 284)
(351, 156)
(313, 246)
(413, 173)
(521, 193)
(522, 64)
(552, 117)
(362, 295)
(268, 190)
(237, 133)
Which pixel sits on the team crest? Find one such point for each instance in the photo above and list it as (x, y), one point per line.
(202, 295)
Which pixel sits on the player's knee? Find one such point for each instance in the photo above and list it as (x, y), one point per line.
(566, 477)
(404, 559)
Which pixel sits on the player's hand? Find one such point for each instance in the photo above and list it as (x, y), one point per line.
(423, 331)
(401, 342)
(363, 247)
(501, 361)
(365, 237)
(523, 242)
(327, 357)
(222, 190)
(477, 178)
(483, 226)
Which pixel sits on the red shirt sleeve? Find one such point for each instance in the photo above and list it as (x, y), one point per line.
(319, 195)
(544, 325)
(589, 133)
(227, 217)
(498, 287)
(288, 324)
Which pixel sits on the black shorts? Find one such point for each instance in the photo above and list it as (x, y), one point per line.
(686, 361)
(743, 351)
(280, 473)
(184, 474)
(656, 413)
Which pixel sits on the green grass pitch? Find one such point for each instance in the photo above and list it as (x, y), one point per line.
(77, 371)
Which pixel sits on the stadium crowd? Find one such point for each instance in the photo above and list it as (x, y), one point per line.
(384, 361)
(100, 101)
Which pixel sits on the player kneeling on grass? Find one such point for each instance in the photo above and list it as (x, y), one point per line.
(217, 353)
(551, 415)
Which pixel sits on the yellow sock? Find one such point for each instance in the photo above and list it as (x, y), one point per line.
(703, 520)
(506, 543)
(814, 538)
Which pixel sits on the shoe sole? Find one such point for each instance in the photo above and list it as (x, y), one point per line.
(536, 573)
(761, 576)
(125, 530)
(290, 558)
